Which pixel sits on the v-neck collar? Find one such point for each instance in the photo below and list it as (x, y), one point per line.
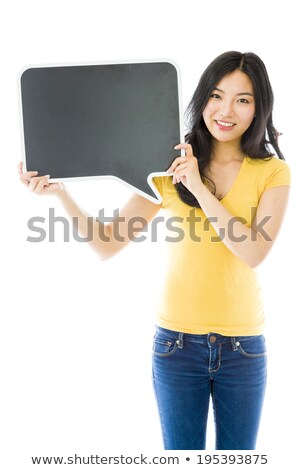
(235, 181)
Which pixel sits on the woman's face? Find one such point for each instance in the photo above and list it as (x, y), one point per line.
(230, 108)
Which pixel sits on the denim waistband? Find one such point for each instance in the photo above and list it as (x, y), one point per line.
(214, 339)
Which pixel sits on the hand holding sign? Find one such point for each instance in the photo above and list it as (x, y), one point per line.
(38, 184)
(116, 120)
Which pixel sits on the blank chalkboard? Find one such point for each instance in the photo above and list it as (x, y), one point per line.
(120, 120)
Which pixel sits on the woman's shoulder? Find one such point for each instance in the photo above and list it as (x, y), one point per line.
(268, 165)
(272, 170)
(271, 160)
(268, 162)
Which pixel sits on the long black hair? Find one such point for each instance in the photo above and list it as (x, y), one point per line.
(256, 139)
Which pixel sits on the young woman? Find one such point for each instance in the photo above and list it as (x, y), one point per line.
(231, 193)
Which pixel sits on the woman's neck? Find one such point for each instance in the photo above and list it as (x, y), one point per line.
(225, 152)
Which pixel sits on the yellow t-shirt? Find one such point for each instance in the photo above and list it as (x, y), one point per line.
(206, 287)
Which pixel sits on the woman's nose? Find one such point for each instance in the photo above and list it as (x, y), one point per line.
(226, 109)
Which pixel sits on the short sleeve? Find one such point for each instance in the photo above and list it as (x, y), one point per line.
(280, 175)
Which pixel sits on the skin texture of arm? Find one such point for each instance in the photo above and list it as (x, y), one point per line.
(250, 244)
(104, 242)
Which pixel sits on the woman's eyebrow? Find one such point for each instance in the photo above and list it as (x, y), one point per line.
(238, 94)
(245, 93)
(218, 89)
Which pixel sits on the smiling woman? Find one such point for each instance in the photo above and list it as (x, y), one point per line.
(233, 102)
(229, 109)
(210, 318)
(209, 339)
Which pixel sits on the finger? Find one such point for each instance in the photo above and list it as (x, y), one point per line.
(26, 177)
(180, 170)
(179, 161)
(41, 185)
(187, 147)
(33, 182)
(179, 174)
(20, 168)
(182, 166)
(176, 162)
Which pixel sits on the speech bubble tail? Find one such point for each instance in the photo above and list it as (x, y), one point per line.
(154, 187)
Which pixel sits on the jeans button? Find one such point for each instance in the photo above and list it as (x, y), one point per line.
(212, 339)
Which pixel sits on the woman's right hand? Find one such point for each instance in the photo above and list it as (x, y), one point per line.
(39, 184)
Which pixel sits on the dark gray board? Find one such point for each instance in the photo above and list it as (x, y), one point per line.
(82, 121)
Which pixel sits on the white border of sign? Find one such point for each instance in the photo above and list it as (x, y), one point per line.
(85, 178)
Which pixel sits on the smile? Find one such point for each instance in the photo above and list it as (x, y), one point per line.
(225, 124)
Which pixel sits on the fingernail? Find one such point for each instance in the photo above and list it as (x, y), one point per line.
(175, 146)
(47, 176)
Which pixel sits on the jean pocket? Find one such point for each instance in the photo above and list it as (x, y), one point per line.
(162, 346)
(252, 347)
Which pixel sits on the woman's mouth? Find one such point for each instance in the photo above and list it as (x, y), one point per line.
(225, 126)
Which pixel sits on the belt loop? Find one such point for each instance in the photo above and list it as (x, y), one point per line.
(179, 342)
(233, 342)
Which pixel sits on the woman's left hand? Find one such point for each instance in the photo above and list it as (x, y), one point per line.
(185, 169)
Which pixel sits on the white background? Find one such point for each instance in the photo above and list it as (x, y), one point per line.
(76, 332)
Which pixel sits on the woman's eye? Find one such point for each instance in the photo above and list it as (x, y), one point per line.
(243, 100)
(215, 95)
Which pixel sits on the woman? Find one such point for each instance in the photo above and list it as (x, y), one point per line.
(231, 193)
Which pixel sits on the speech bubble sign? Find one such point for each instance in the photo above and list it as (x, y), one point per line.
(117, 120)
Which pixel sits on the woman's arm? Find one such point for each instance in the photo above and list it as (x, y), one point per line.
(105, 240)
(249, 244)
(108, 239)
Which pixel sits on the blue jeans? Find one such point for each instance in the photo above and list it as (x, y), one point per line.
(189, 368)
